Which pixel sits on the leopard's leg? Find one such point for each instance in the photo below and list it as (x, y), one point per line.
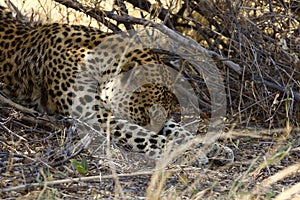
(217, 152)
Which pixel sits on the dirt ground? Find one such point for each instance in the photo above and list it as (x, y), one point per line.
(35, 163)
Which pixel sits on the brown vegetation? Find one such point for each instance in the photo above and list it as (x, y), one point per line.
(256, 46)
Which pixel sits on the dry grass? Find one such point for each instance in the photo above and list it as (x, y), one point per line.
(263, 113)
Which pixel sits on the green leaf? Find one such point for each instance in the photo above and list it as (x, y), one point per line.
(81, 166)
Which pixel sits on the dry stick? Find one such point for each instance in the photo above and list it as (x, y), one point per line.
(253, 133)
(17, 106)
(277, 87)
(39, 121)
(266, 183)
(11, 132)
(172, 34)
(44, 121)
(163, 14)
(70, 180)
(91, 178)
(12, 6)
(177, 37)
(288, 193)
(95, 13)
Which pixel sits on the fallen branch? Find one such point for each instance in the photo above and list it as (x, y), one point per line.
(88, 178)
(95, 13)
(17, 106)
(296, 95)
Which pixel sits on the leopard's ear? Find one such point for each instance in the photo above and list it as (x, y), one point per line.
(5, 13)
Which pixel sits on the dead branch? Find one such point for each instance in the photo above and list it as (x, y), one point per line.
(17, 106)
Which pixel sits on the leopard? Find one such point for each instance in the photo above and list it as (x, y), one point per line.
(108, 80)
